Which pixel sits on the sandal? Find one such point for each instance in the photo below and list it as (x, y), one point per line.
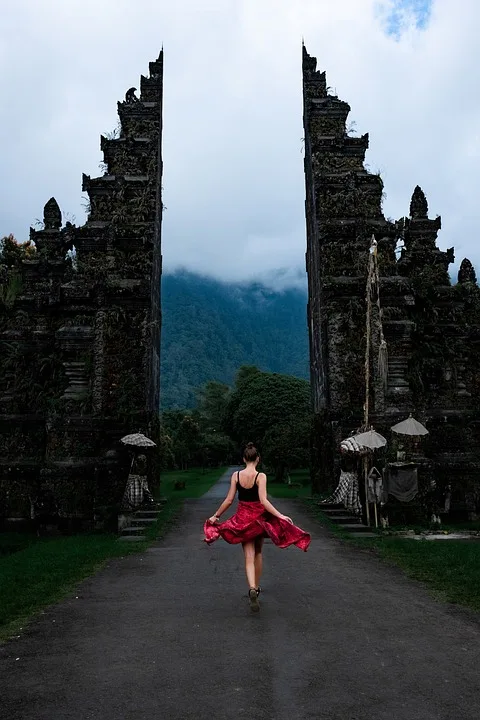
(253, 599)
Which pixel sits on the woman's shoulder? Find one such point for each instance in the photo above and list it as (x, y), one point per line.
(261, 476)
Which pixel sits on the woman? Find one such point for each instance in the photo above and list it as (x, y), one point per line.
(137, 490)
(256, 518)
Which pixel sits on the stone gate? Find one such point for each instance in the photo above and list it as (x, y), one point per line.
(80, 338)
(432, 328)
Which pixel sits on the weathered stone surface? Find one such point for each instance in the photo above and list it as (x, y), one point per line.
(467, 272)
(432, 329)
(80, 347)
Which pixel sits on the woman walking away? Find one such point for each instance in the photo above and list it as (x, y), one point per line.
(256, 518)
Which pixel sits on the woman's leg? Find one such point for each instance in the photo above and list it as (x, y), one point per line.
(249, 552)
(258, 560)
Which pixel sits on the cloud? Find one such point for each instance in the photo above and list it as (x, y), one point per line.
(233, 165)
(398, 16)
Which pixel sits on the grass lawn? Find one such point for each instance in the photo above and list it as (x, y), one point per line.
(35, 573)
(197, 482)
(300, 488)
(449, 568)
(39, 575)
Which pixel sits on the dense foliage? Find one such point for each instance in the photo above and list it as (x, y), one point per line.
(192, 438)
(12, 253)
(210, 329)
(268, 409)
(273, 412)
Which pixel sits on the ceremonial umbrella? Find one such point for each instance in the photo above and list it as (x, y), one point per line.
(410, 426)
(373, 441)
(137, 440)
(370, 439)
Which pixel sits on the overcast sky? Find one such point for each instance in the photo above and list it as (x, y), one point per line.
(233, 166)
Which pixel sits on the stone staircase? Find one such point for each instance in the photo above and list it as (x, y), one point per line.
(346, 520)
(140, 522)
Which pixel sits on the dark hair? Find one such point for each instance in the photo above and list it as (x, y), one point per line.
(250, 454)
(141, 465)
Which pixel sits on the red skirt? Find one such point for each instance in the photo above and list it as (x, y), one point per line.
(251, 521)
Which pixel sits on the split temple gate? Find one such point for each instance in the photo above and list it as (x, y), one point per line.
(80, 335)
(432, 328)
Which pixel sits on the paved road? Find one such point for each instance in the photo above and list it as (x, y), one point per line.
(168, 635)
(218, 491)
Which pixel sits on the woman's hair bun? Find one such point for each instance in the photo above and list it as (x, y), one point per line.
(250, 454)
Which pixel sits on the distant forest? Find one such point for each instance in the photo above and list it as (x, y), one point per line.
(210, 329)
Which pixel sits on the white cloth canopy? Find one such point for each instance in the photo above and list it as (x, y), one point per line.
(137, 440)
(370, 439)
(410, 426)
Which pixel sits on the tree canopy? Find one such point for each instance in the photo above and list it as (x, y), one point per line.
(12, 253)
(273, 412)
(268, 409)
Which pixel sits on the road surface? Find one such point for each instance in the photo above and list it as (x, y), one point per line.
(168, 634)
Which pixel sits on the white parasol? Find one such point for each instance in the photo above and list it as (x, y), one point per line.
(410, 426)
(137, 440)
(370, 439)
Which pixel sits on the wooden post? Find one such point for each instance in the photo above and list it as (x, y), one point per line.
(365, 470)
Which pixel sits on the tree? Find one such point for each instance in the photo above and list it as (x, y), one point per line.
(264, 400)
(212, 403)
(166, 455)
(286, 446)
(217, 449)
(272, 411)
(246, 373)
(187, 442)
(171, 420)
(12, 253)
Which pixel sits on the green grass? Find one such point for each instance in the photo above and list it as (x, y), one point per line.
(300, 488)
(11, 542)
(46, 571)
(197, 482)
(35, 573)
(449, 568)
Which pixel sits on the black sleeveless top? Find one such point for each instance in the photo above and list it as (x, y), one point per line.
(248, 494)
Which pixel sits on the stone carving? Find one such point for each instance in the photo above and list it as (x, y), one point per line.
(52, 216)
(310, 71)
(130, 97)
(79, 355)
(418, 204)
(466, 273)
(428, 324)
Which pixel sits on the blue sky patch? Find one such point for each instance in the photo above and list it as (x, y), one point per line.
(400, 14)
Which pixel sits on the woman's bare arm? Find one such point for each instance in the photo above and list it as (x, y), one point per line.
(262, 494)
(228, 500)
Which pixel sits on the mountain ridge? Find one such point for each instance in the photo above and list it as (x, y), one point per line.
(210, 328)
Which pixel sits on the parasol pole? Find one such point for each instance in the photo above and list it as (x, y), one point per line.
(366, 407)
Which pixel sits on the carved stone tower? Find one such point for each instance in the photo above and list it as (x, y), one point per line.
(343, 210)
(431, 328)
(90, 325)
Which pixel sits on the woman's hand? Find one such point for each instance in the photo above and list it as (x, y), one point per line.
(212, 520)
(285, 517)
